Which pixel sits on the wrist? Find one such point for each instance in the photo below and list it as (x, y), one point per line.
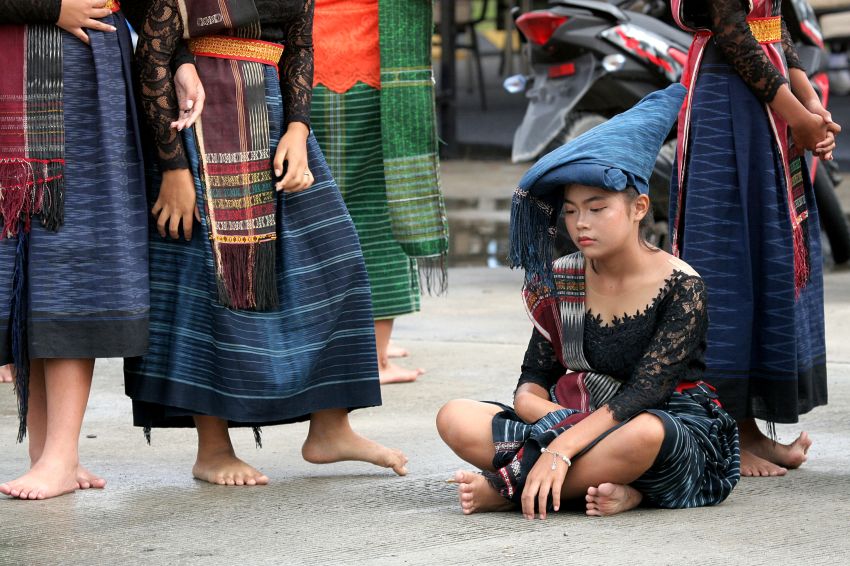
(298, 128)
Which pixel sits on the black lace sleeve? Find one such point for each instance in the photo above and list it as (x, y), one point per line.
(735, 40)
(540, 365)
(674, 354)
(135, 14)
(29, 11)
(791, 57)
(296, 69)
(159, 35)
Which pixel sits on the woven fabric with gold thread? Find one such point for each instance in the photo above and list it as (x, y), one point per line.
(766, 30)
(233, 143)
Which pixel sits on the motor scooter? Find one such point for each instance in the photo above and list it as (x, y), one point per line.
(591, 60)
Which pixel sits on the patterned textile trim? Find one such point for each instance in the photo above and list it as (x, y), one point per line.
(32, 130)
(409, 132)
(766, 30)
(345, 44)
(224, 47)
(240, 200)
(558, 311)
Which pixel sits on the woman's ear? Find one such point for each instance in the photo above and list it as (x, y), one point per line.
(641, 207)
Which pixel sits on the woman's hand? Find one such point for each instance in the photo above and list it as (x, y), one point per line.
(542, 481)
(74, 15)
(293, 150)
(808, 130)
(176, 203)
(190, 96)
(824, 148)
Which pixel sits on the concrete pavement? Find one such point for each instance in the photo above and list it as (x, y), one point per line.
(471, 342)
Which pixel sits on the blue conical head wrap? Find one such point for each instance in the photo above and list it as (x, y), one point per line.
(615, 155)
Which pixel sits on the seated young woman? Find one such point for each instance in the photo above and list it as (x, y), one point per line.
(609, 406)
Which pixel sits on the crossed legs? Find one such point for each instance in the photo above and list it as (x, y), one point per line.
(602, 475)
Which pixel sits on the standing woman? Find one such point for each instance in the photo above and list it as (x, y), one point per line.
(73, 258)
(260, 310)
(373, 114)
(745, 218)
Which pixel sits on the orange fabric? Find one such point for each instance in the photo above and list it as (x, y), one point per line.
(346, 46)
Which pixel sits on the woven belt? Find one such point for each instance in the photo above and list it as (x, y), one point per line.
(226, 47)
(766, 30)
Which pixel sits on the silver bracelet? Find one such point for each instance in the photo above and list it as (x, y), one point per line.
(555, 456)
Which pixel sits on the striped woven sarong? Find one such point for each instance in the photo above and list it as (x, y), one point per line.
(85, 290)
(347, 120)
(348, 127)
(315, 350)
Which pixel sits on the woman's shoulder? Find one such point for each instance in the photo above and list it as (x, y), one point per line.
(682, 267)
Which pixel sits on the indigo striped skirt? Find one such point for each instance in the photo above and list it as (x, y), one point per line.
(698, 464)
(315, 351)
(88, 282)
(766, 351)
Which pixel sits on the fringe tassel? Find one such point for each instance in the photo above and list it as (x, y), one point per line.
(258, 436)
(532, 235)
(238, 264)
(16, 177)
(52, 209)
(265, 277)
(434, 272)
(20, 343)
(28, 189)
(771, 430)
(147, 432)
(801, 260)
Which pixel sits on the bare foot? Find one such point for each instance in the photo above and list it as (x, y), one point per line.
(394, 351)
(225, 468)
(477, 495)
(753, 467)
(346, 445)
(7, 373)
(86, 479)
(392, 373)
(789, 456)
(43, 481)
(610, 499)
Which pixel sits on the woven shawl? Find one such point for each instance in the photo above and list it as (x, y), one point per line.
(233, 142)
(417, 210)
(32, 130)
(559, 313)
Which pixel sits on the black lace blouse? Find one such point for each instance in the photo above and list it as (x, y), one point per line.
(29, 11)
(649, 352)
(727, 19)
(288, 22)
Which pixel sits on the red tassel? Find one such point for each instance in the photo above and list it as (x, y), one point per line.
(801, 260)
